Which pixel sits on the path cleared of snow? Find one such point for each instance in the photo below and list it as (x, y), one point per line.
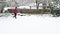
(33, 24)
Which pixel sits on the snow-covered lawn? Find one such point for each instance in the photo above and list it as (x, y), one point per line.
(34, 24)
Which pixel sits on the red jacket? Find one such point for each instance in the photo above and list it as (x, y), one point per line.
(15, 10)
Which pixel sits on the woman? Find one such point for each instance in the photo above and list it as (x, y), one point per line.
(15, 12)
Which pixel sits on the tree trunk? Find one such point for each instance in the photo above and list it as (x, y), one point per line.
(37, 5)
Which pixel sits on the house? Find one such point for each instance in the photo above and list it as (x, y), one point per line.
(2, 4)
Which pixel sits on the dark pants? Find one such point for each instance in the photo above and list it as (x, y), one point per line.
(15, 14)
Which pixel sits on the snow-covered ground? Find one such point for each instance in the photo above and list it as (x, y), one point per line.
(34, 24)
